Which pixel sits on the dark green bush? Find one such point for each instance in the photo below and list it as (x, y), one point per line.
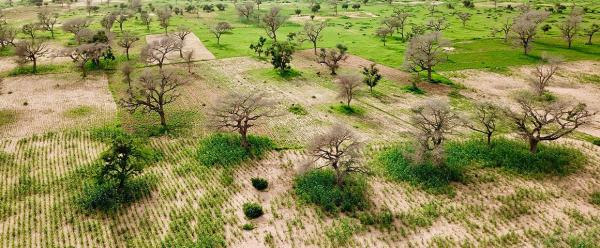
(248, 226)
(596, 142)
(226, 149)
(105, 197)
(433, 178)
(514, 155)
(383, 219)
(319, 187)
(259, 183)
(595, 198)
(252, 210)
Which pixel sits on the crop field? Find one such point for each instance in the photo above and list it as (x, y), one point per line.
(175, 123)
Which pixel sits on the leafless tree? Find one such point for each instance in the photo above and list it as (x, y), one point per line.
(272, 21)
(188, 57)
(538, 121)
(47, 19)
(30, 30)
(126, 41)
(312, 32)
(219, 29)
(74, 26)
(157, 51)
(108, 21)
(153, 93)
(348, 86)
(544, 72)
(85, 53)
(334, 5)
(484, 119)
(7, 36)
(525, 27)
(505, 28)
(164, 17)
(30, 51)
(437, 24)
(570, 26)
(383, 33)
(332, 57)
(240, 112)
(181, 33)
(246, 9)
(392, 23)
(127, 69)
(89, 6)
(339, 150)
(464, 17)
(121, 17)
(146, 19)
(434, 120)
(401, 17)
(424, 52)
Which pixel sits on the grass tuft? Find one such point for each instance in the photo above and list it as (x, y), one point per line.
(226, 149)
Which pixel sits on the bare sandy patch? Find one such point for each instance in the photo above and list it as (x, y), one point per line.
(191, 43)
(306, 18)
(42, 101)
(360, 14)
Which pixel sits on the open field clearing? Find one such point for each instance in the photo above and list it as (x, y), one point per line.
(269, 124)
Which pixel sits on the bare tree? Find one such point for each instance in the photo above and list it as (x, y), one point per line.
(126, 41)
(401, 16)
(339, 149)
(434, 120)
(383, 33)
(74, 26)
(121, 17)
(332, 57)
(7, 36)
(157, 51)
(85, 53)
(146, 19)
(273, 21)
(570, 26)
(464, 17)
(539, 121)
(544, 72)
(164, 17)
(30, 51)
(525, 27)
(424, 52)
(153, 93)
(438, 24)
(312, 32)
(108, 21)
(484, 119)
(188, 57)
(246, 10)
(127, 69)
(219, 29)
(47, 19)
(30, 30)
(334, 5)
(348, 86)
(239, 112)
(505, 28)
(590, 31)
(181, 33)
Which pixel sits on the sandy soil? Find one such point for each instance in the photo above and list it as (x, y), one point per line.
(9, 63)
(306, 18)
(191, 43)
(41, 103)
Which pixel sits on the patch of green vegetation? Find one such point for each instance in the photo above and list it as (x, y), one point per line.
(347, 110)
(514, 155)
(383, 219)
(7, 117)
(78, 112)
(106, 197)
(276, 75)
(340, 233)
(421, 217)
(41, 69)
(595, 198)
(226, 150)
(413, 90)
(297, 109)
(7, 51)
(252, 210)
(519, 204)
(319, 187)
(433, 178)
(590, 79)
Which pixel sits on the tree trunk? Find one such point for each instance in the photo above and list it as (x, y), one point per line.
(245, 143)
(163, 120)
(34, 69)
(533, 144)
(589, 39)
(489, 139)
(315, 47)
(429, 74)
(339, 180)
(570, 42)
(52, 33)
(525, 45)
(127, 52)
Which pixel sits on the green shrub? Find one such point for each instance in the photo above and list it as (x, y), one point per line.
(383, 219)
(319, 187)
(297, 109)
(259, 183)
(596, 142)
(226, 149)
(514, 155)
(347, 110)
(248, 226)
(252, 210)
(105, 197)
(433, 178)
(595, 198)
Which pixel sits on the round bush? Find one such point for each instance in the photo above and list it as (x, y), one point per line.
(259, 183)
(252, 210)
(319, 187)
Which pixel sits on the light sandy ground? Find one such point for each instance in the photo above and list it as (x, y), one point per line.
(41, 103)
(566, 85)
(191, 43)
(306, 18)
(51, 57)
(359, 14)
